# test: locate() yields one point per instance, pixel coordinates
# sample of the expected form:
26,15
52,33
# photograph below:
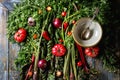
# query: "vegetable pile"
43,30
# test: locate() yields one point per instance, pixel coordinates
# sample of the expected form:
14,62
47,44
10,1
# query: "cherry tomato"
48,8
29,73
20,35
60,40
65,25
73,22
79,63
69,33
63,13
92,51
39,11
35,36
58,50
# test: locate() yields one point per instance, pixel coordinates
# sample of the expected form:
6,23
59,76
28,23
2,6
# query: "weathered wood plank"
13,49
3,44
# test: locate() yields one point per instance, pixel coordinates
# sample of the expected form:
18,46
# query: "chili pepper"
33,59
29,70
29,73
82,58
65,25
45,35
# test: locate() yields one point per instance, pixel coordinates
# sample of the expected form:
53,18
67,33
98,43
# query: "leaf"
51,77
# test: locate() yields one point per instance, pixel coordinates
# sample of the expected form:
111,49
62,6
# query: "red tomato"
60,40
20,35
58,50
63,13
35,36
79,63
73,22
92,51
65,25
69,33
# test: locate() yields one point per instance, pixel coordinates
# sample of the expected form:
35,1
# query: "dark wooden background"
8,51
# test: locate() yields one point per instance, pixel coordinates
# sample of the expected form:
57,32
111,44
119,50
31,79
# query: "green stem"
63,34
77,12
38,53
75,6
66,65
73,61
33,45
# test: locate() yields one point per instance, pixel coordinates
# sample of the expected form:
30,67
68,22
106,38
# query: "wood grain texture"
3,44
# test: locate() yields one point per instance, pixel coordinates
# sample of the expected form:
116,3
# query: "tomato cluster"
92,51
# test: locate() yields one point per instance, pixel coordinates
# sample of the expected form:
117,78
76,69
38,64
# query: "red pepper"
45,35
33,59
82,58
30,68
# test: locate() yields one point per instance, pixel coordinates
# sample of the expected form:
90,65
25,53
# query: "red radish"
57,22
42,64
